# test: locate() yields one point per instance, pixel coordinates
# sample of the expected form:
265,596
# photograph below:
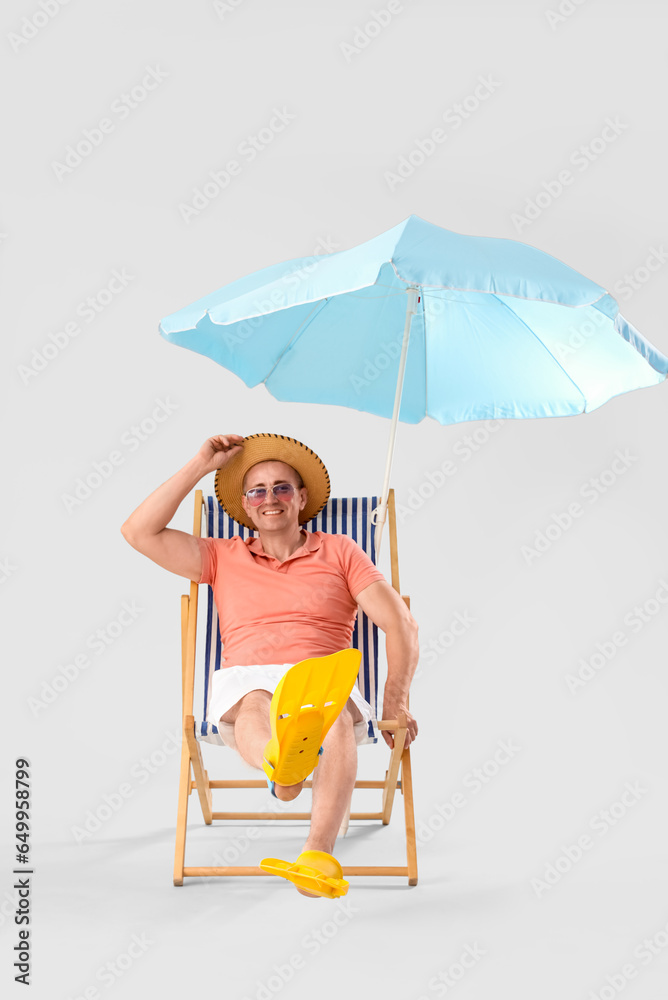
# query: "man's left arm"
387,609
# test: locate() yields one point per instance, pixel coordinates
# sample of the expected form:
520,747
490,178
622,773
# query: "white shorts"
229,684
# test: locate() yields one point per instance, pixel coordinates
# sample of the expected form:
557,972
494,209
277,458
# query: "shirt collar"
312,544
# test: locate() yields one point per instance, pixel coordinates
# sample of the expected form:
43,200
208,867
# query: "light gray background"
69,573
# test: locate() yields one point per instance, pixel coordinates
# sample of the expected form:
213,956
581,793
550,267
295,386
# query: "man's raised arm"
146,528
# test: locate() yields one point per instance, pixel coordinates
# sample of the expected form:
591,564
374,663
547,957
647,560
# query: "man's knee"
252,702
346,717
354,711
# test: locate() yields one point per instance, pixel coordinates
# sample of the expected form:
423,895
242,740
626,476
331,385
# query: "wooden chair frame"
397,776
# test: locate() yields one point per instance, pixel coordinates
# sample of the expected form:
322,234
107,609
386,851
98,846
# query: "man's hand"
391,708
146,528
218,450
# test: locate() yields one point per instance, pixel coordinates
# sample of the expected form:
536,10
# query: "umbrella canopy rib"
535,335
295,336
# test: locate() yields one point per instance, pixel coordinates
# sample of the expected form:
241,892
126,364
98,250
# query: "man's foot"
330,870
288,792
313,868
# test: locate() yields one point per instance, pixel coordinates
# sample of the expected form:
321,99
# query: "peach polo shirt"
284,612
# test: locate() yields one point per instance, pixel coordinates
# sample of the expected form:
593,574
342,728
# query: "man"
282,597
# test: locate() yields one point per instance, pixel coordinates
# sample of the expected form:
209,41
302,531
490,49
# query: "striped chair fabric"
349,516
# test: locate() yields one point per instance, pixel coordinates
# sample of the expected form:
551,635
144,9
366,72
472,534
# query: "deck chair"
350,516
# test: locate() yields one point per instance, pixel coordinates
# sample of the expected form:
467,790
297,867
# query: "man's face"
273,514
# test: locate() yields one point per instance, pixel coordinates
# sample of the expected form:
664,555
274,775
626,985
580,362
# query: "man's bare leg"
252,732
333,783
333,779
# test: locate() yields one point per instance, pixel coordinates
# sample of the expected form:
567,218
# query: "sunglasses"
282,491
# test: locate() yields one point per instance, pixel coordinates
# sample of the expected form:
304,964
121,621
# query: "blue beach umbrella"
421,321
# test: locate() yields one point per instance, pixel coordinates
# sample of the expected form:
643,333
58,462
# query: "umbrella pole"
379,514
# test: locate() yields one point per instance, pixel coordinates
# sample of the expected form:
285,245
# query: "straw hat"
272,448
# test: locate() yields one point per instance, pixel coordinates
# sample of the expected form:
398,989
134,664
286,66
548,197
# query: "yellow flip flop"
315,871
308,699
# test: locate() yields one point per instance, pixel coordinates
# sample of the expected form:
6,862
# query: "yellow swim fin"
315,871
305,704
